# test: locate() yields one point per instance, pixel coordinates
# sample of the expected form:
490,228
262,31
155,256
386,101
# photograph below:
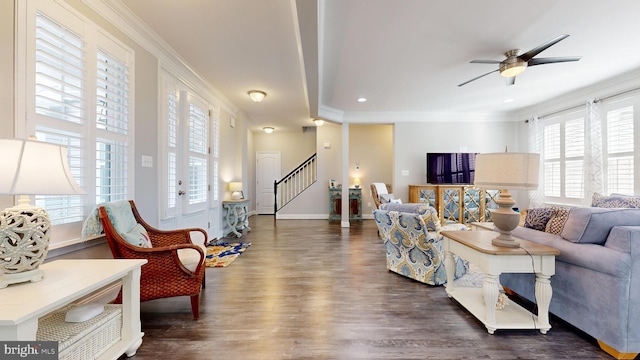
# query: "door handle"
181,192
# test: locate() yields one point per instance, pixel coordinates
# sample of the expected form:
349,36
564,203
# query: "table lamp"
236,190
502,171
29,167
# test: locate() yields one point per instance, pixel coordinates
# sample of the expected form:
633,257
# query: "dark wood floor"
308,289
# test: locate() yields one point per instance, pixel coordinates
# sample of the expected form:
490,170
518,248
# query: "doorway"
267,172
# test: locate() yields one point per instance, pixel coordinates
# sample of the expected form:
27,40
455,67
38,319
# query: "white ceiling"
405,56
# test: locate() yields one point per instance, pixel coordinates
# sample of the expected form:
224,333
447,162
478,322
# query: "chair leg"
195,306
204,278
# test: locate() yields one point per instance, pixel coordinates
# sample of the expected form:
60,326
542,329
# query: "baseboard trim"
280,216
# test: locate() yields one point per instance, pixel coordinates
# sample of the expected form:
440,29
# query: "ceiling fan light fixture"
515,69
257,95
512,66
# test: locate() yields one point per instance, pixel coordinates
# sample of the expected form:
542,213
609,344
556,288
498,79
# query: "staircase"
294,183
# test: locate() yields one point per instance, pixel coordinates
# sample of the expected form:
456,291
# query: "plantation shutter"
112,126
60,107
620,150
574,158
198,152
552,160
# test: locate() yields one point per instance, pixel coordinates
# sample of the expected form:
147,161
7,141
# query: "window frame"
27,121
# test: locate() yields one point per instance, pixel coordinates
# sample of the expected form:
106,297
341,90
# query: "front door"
185,163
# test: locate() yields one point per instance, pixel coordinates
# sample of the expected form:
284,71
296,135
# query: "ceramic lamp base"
24,243
505,220
31,275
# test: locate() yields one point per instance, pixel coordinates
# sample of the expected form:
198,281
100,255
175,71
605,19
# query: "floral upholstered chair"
414,246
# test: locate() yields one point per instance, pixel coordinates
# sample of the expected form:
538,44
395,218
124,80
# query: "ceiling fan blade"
485,61
511,80
542,61
478,77
535,51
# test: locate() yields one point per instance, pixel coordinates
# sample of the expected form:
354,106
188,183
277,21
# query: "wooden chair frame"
163,275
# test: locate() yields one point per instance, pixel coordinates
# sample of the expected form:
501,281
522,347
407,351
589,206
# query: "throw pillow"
615,201
557,221
537,218
385,198
396,201
138,236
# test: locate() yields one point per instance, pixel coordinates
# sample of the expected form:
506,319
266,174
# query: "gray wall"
6,79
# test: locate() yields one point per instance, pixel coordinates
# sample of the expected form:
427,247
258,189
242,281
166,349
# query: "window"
563,163
598,154
619,148
78,93
198,152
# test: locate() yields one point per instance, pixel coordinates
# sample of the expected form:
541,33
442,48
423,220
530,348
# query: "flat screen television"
451,168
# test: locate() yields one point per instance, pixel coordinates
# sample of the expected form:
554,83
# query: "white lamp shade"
35,168
507,171
235,186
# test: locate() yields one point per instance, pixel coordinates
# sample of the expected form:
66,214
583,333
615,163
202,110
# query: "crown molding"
115,12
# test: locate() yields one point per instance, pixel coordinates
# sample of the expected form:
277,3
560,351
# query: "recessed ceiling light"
507,100
362,99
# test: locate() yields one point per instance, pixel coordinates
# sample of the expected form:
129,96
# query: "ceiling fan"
515,64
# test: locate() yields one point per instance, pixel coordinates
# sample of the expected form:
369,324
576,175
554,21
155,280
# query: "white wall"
412,140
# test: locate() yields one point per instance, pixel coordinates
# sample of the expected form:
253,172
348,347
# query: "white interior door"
267,172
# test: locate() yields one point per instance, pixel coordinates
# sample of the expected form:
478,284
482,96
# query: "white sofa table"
66,281
476,247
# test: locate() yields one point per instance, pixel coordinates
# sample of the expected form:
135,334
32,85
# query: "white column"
345,175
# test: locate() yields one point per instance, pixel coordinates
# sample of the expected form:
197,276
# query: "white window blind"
552,160
574,158
215,179
172,135
620,150
112,94
564,150
59,71
198,144
60,104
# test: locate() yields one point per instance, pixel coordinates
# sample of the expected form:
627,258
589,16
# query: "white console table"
236,214
530,257
66,281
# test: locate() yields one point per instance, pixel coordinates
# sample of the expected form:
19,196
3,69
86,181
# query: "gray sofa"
596,287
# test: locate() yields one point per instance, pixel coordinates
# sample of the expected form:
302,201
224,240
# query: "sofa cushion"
190,258
537,218
592,224
556,222
615,201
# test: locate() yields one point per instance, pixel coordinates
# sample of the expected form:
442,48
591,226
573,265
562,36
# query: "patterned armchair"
411,234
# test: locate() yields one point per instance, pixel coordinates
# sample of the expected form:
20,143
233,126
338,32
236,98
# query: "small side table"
530,257
237,216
